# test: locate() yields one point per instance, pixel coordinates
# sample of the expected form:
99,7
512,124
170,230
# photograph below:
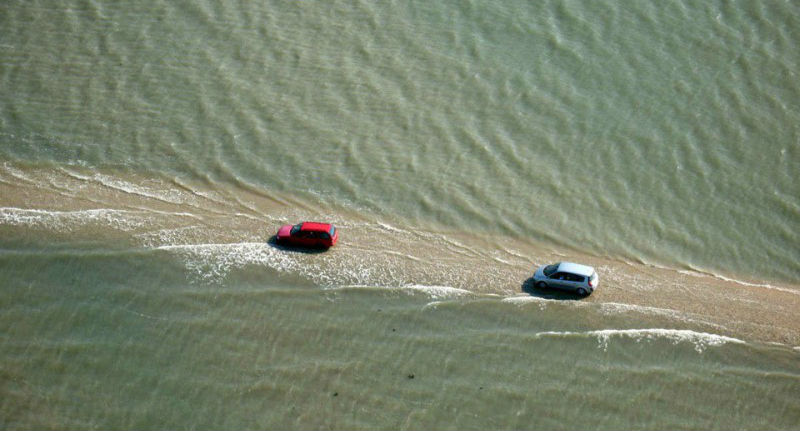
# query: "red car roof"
316,227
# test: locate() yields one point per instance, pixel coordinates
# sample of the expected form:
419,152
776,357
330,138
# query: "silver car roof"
576,268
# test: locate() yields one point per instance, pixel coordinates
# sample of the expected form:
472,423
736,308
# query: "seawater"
149,152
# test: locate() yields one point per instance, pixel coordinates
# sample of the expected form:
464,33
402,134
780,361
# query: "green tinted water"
149,151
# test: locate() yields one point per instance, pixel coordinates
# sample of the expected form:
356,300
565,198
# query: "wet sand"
233,226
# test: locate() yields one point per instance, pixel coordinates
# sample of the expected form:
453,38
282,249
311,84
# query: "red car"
308,234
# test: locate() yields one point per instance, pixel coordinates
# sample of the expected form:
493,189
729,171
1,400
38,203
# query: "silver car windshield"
550,269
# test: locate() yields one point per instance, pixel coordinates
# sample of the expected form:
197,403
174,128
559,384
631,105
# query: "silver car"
574,277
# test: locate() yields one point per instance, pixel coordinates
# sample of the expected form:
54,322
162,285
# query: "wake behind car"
308,234
573,277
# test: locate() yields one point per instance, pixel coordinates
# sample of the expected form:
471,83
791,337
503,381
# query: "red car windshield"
295,229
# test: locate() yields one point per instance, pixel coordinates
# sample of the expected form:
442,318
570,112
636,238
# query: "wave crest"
701,340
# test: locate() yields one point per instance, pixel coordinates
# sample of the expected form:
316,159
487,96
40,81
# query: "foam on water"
701,340
389,227
612,307
211,263
150,189
16,173
184,235
523,300
438,292
123,220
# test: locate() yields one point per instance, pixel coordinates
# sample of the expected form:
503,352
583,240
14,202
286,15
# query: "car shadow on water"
529,287
273,242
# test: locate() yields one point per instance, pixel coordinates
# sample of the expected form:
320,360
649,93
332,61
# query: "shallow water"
149,153
113,344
